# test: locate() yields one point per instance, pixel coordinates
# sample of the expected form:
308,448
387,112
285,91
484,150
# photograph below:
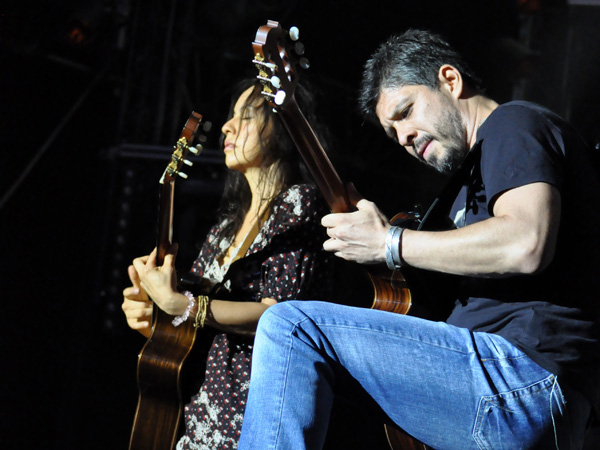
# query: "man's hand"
357,236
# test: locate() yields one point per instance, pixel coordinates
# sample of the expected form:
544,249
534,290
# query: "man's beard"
451,134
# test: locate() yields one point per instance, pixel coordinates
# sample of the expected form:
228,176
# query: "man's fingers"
333,245
364,204
353,195
329,220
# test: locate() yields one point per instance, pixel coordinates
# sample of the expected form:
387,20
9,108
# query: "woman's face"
243,134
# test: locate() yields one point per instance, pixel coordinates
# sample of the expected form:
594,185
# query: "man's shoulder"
517,110
519,119
525,113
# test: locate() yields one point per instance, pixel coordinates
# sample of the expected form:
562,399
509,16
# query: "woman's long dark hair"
277,149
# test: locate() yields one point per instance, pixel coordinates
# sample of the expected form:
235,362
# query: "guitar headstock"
182,148
277,55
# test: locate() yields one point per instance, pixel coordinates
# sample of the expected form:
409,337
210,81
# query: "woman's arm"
236,317
158,283
284,274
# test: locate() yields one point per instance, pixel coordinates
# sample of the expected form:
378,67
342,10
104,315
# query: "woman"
284,260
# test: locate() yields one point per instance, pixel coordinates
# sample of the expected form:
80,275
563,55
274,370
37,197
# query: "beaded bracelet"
180,319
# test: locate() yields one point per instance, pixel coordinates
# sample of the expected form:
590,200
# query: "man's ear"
450,80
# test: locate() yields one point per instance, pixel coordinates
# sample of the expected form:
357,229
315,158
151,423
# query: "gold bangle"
201,312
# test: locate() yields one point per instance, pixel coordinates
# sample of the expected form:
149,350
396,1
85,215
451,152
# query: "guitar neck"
315,157
165,220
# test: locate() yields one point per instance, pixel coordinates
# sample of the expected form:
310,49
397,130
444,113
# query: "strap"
440,207
249,239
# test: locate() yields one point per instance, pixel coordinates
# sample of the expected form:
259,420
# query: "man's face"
426,123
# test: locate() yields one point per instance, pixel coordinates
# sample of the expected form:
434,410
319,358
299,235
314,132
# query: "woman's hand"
160,283
136,305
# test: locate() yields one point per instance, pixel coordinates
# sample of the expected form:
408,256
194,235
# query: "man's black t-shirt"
554,316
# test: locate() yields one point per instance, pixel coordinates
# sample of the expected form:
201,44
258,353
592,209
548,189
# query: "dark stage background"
95,92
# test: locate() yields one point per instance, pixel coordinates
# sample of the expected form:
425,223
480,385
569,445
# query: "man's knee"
274,315
276,322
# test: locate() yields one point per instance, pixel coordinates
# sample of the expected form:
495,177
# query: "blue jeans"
446,386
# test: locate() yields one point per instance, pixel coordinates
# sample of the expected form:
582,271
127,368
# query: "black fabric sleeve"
529,152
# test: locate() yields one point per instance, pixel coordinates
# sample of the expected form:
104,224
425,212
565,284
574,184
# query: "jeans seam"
396,335
478,424
286,377
552,394
516,392
508,358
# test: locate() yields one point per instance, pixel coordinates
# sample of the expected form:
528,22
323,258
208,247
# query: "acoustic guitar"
274,51
160,405
277,54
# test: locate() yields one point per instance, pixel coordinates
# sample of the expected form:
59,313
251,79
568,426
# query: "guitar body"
277,72
158,416
399,440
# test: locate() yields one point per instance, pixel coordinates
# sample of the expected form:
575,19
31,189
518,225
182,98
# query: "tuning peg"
196,150
299,48
182,175
187,162
276,82
304,63
207,126
279,98
294,33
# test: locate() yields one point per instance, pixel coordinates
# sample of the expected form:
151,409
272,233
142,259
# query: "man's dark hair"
411,58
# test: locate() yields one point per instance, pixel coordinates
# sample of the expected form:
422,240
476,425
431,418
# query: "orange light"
529,6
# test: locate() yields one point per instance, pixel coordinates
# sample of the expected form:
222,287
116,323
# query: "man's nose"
406,135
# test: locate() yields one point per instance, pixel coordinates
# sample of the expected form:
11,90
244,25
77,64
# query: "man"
517,362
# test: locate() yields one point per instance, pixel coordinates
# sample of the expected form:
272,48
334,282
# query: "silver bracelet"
397,248
393,243
182,318
389,261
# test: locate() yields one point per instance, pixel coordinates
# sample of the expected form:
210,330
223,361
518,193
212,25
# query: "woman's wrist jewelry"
393,248
202,312
192,301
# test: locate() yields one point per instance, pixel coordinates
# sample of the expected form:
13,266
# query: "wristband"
393,245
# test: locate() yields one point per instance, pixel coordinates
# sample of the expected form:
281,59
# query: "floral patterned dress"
285,261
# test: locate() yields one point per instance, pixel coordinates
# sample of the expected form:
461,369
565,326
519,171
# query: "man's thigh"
445,385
